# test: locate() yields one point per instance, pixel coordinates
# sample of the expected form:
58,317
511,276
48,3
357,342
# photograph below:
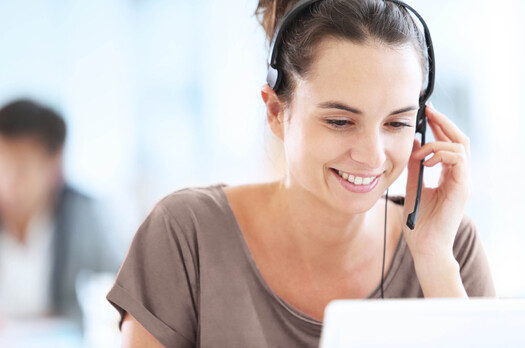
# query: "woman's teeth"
356,180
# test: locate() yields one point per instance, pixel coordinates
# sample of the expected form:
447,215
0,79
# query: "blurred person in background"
49,232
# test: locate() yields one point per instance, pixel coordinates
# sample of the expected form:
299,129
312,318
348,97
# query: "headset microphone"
412,217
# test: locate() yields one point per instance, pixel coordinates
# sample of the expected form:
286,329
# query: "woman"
255,265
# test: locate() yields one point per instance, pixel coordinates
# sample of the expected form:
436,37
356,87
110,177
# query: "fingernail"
430,105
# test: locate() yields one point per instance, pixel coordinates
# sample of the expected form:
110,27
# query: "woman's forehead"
342,67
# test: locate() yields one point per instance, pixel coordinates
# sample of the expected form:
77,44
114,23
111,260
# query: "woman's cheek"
408,144
400,149
302,151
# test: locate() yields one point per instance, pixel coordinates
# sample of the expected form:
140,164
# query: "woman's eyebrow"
344,107
403,110
340,106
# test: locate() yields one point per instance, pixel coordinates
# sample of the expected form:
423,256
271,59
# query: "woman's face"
353,115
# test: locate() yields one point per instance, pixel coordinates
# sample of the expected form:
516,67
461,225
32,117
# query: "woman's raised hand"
441,208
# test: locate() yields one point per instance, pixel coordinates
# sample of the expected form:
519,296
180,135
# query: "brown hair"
355,20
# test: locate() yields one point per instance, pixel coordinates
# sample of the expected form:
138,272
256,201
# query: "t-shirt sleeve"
474,267
157,281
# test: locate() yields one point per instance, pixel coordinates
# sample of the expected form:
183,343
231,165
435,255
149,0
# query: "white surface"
424,323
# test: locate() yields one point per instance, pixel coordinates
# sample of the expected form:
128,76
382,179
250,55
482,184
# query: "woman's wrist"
439,276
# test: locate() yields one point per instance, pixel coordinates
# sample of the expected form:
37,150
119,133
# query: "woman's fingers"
455,168
437,146
448,154
439,135
448,128
447,158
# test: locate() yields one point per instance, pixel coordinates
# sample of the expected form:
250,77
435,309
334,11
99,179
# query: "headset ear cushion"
421,119
273,78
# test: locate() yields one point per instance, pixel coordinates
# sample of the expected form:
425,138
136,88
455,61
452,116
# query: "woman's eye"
399,124
339,123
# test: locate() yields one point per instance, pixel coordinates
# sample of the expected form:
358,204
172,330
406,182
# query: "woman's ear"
274,111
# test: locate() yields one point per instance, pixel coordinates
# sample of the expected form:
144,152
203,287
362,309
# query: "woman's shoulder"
193,200
188,210
206,206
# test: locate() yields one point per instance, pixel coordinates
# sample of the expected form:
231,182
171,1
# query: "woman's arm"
135,335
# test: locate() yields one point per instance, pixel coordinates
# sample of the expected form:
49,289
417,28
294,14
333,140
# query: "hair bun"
270,12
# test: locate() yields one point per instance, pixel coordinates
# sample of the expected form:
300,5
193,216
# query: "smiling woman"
256,265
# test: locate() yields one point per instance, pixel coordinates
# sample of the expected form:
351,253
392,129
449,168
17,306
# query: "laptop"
428,323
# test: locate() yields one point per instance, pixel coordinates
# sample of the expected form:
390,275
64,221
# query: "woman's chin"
356,206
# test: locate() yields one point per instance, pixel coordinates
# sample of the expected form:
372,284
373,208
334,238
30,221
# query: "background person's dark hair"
359,21
26,118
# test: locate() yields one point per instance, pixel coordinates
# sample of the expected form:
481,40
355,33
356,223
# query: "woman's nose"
369,150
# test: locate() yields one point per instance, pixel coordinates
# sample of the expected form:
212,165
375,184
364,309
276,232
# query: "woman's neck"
318,232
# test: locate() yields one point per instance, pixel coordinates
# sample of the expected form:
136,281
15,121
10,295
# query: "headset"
274,79
275,75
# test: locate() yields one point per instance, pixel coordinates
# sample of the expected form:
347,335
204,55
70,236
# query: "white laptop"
428,323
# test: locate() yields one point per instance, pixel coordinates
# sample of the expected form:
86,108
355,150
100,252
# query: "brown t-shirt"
190,280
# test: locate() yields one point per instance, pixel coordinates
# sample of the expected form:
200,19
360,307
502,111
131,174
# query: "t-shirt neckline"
389,276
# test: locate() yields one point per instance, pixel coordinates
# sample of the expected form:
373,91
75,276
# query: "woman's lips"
354,183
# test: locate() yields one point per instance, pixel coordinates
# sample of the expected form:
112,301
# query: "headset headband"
274,77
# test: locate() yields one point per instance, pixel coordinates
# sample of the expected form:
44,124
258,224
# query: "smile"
356,180
356,183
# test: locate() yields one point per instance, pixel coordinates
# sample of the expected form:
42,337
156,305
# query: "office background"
163,94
